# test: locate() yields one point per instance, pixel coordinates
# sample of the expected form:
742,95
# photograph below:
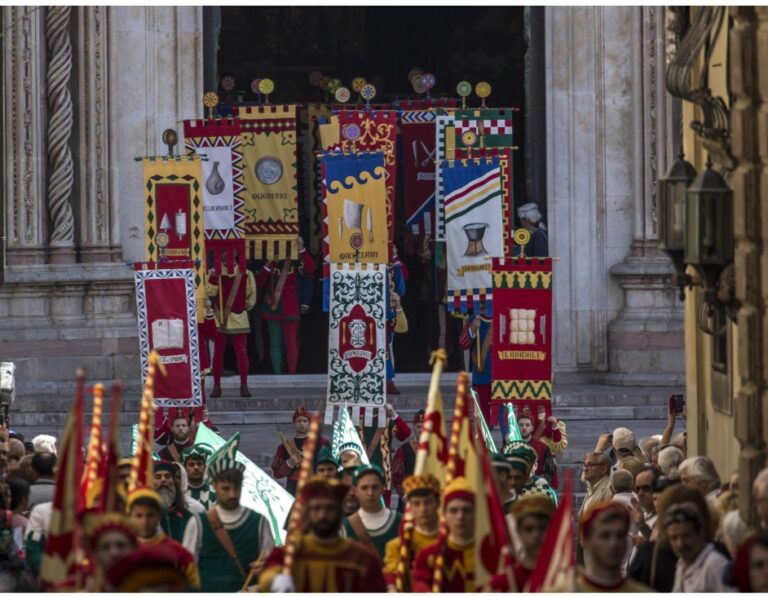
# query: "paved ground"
588,410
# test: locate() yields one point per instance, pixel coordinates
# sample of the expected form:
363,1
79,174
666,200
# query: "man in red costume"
324,561
287,460
232,295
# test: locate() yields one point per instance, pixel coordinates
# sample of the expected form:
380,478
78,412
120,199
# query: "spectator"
15,453
644,511
633,464
623,485
15,575
44,444
760,492
596,475
733,531
700,567
19,506
700,473
646,446
43,489
750,570
670,457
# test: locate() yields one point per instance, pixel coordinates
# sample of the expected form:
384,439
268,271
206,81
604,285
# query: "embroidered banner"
417,135
507,200
357,341
474,234
165,308
373,130
522,327
268,135
315,114
354,208
223,190
173,209
444,149
483,128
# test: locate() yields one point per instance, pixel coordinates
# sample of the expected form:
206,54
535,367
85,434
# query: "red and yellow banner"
522,328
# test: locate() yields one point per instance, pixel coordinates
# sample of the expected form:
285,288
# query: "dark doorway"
382,44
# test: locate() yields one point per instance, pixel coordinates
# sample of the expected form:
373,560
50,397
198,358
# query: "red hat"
301,411
179,414
149,566
95,524
588,518
319,487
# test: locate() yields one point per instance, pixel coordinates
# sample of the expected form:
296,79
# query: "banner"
173,209
357,341
165,307
474,234
483,128
444,149
260,491
268,136
417,135
315,113
354,208
373,131
522,327
507,201
223,190
345,433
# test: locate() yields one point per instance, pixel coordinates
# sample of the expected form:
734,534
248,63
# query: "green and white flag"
260,491
513,430
484,430
345,436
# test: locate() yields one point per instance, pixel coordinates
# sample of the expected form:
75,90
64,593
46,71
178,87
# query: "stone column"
646,340
748,58
24,133
60,124
589,182
96,240
155,81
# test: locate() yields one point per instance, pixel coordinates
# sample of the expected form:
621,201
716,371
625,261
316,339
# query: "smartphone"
676,403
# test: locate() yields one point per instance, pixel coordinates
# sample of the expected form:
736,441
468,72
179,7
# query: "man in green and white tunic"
373,524
194,459
522,481
228,538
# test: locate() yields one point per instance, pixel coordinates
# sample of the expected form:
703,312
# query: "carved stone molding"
23,153
60,123
96,240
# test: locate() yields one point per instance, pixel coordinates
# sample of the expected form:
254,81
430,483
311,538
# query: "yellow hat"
142,493
421,482
458,488
533,504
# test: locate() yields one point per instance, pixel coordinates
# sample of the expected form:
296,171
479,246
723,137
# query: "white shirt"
705,574
374,521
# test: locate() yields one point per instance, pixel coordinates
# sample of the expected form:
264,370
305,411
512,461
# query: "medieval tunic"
457,569
419,541
282,469
203,494
243,299
174,523
287,308
342,566
386,528
172,451
250,535
184,558
403,466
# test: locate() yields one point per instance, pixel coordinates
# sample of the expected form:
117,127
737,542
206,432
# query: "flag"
62,545
482,426
111,453
513,429
461,445
491,538
556,567
142,470
432,455
345,436
260,491
90,485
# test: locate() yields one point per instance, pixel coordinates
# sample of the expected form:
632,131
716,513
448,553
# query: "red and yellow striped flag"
91,485
110,455
142,470
62,545
432,455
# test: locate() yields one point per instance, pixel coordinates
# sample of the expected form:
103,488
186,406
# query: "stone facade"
608,124
67,295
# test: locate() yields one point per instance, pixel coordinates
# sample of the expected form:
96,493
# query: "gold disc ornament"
522,236
483,90
342,95
266,86
210,101
358,83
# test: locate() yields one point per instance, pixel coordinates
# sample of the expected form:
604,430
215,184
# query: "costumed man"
327,466
532,514
228,538
350,456
176,511
323,562
124,465
287,460
108,537
477,337
378,440
194,464
522,480
551,431
449,564
280,283
396,321
423,495
373,524
502,470
545,465
404,462
603,536
180,439
530,219
151,568
144,508
233,295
